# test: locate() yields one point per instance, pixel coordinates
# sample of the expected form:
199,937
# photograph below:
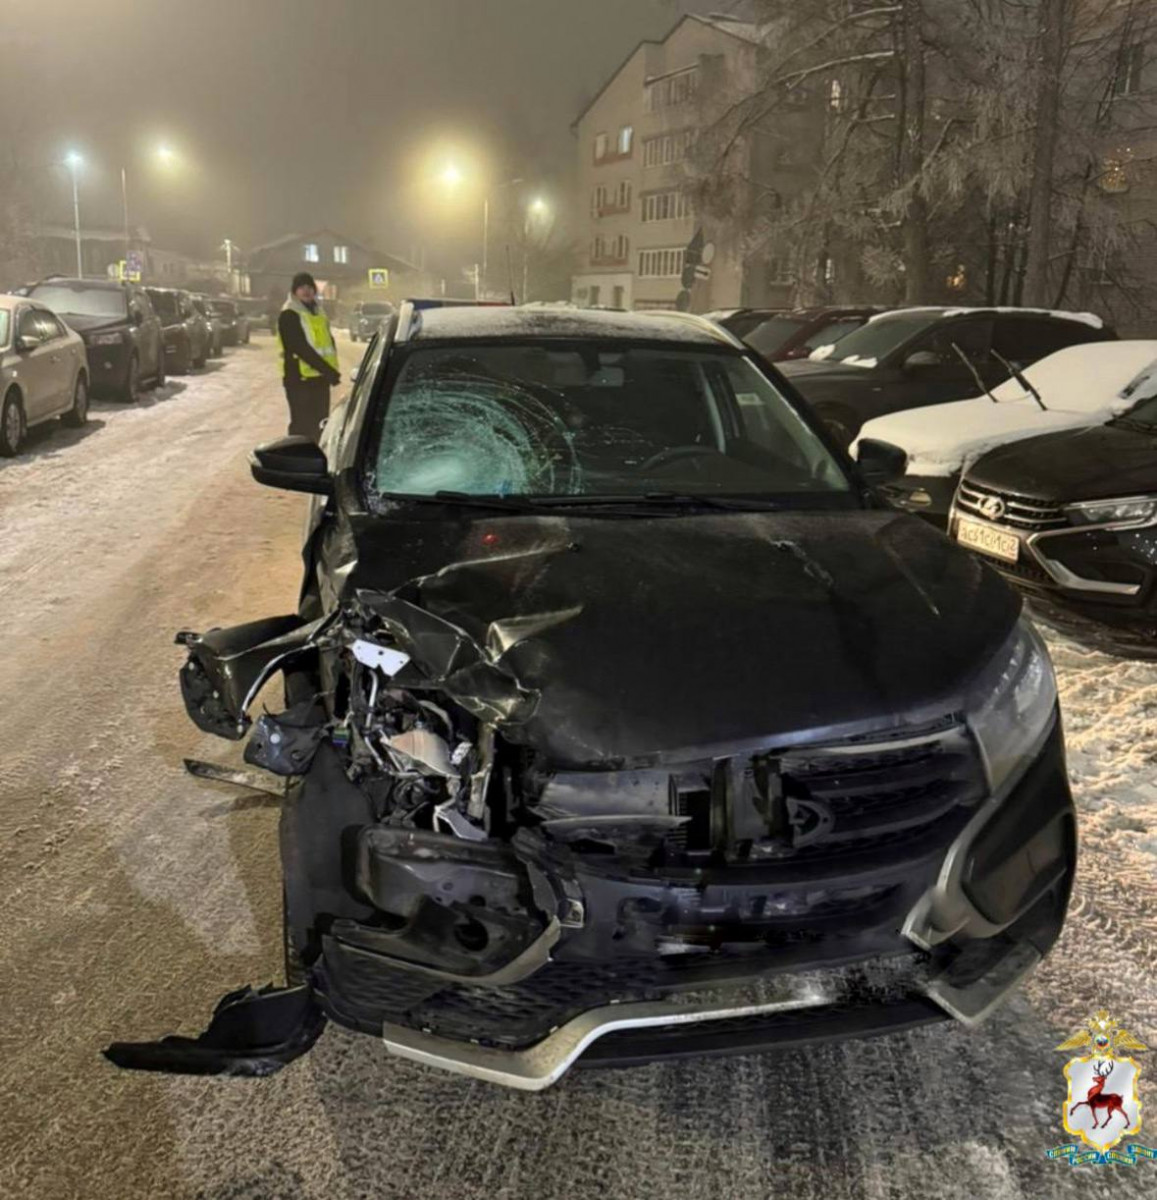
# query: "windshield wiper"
1018,375
465,499
1128,422
661,499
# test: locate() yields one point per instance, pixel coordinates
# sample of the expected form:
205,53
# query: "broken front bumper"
511,963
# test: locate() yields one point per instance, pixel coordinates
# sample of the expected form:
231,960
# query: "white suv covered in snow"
1073,388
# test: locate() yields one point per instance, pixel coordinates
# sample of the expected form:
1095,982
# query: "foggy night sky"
292,114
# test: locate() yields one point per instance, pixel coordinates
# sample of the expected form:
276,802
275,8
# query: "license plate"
993,542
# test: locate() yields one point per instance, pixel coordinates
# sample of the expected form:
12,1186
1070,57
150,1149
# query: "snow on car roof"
501,322
1080,386
1085,318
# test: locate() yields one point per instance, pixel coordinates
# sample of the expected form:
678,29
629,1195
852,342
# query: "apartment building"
642,245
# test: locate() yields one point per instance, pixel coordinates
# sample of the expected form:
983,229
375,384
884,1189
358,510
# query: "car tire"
199,362
131,388
843,423
159,377
13,425
183,361
77,415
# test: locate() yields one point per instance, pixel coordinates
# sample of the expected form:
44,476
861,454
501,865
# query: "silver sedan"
43,371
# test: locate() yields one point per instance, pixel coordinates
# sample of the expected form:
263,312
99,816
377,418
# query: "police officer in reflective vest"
308,357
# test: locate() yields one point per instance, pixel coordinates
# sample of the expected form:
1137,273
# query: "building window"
605,202
593,296
672,90
626,139
1130,64
671,205
661,264
778,272
667,148
599,200
607,251
836,96
617,296
309,252
600,146
341,254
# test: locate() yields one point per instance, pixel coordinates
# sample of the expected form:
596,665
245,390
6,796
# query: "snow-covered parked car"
913,357
622,721
1073,388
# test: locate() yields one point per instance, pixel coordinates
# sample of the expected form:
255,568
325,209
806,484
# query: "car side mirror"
880,461
296,464
28,341
921,358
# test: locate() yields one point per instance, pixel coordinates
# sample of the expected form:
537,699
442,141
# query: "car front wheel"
78,413
12,427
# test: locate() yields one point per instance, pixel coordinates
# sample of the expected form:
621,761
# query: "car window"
1024,340
974,338
592,420
832,332
877,339
769,337
80,300
346,436
50,327
29,324
165,304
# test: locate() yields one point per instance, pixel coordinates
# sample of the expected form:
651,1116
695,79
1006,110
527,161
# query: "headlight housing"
1129,510
105,339
1011,704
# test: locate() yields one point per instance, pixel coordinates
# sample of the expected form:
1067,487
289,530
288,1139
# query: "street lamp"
166,157
536,210
74,162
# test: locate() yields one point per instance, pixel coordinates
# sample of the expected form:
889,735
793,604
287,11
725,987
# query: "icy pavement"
131,897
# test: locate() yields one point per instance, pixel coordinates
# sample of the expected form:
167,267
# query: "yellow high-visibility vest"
319,336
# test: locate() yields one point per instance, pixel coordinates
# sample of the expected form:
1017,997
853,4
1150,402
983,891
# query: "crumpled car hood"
652,639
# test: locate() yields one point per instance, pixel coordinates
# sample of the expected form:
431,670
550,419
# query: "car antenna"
1020,377
974,373
510,273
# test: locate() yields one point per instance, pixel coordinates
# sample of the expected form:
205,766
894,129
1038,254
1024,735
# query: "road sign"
379,277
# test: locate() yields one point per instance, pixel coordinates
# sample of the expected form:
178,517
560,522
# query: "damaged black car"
622,721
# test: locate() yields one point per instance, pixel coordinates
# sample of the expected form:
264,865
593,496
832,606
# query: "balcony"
610,260
611,209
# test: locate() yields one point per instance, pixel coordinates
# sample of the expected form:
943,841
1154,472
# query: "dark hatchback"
795,335
233,320
623,721
913,357
187,333
123,336
1070,518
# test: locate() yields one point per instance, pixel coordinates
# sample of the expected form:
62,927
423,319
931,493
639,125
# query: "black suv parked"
122,334
786,337
1071,519
916,356
187,333
624,721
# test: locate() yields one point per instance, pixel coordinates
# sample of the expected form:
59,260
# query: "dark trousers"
308,406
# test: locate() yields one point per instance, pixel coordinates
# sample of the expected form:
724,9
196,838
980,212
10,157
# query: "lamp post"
74,162
536,210
452,176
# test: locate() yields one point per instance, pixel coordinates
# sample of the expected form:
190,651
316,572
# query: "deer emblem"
1099,1101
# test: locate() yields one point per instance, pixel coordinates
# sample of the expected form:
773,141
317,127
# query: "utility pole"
73,163
1050,63
125,204
480,283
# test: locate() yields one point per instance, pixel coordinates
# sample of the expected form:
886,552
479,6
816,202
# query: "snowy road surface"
132,897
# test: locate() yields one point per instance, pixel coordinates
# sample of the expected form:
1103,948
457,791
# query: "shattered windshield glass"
592,420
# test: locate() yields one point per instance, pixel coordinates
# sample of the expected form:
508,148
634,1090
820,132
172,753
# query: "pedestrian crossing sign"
379,277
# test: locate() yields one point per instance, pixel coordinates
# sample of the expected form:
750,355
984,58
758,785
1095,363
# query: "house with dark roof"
340,264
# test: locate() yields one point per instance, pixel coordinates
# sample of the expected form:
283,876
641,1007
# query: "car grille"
1024,513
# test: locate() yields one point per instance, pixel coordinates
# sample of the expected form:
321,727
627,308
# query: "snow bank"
1080,386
